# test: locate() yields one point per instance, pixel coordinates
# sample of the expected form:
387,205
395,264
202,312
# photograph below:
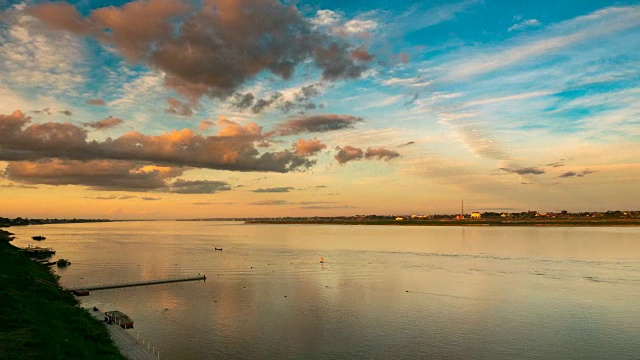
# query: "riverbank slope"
39,320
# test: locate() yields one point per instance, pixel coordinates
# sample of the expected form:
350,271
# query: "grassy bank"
40,321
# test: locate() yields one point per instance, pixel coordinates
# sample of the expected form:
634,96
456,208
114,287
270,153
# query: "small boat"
81,292
63,263
39,237
218,249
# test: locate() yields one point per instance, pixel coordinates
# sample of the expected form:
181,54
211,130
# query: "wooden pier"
84,290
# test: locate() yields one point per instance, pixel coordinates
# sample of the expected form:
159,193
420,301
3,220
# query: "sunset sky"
232,108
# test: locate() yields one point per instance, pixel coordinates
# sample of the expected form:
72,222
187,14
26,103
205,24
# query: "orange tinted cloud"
308,147
233,149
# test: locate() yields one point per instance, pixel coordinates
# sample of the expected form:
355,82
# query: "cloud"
149,198
410,82
205,124
407,144
233,129
524,171
358,26
348,153
524,24
213,203
197,187
233,148
31,56
104,124
112,197
316,123
19,186
326,18
556,164
274,190
66,112
177,107
241,101
525,48
327,207
570,174
308,147
477,138
211,48
269,202
96,174
381,154
96,102
263,104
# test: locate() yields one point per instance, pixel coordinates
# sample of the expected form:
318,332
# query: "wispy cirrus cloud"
524,49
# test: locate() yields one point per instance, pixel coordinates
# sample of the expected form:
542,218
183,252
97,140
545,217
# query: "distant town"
610,217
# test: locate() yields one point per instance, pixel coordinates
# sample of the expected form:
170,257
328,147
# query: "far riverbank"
465,222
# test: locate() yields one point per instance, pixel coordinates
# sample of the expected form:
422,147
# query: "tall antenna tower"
462,209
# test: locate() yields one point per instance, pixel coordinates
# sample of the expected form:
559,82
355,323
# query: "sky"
165,109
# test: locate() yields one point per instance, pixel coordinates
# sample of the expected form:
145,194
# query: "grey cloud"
213,47
19,186
179,108
269,202
149,198
66,112
407,144
316,123
212,203
263,104
569,174
197,187
556,164
242,101
524,171
274,190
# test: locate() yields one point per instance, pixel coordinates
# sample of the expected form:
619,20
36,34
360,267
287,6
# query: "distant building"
399,218
475,215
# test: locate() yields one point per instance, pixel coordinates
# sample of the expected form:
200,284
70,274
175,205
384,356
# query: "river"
382,292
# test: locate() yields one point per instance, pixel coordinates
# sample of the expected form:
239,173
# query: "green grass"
40,321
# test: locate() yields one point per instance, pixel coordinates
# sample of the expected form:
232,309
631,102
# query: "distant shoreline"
546,222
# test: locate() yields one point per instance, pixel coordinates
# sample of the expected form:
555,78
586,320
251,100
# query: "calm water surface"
383,292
